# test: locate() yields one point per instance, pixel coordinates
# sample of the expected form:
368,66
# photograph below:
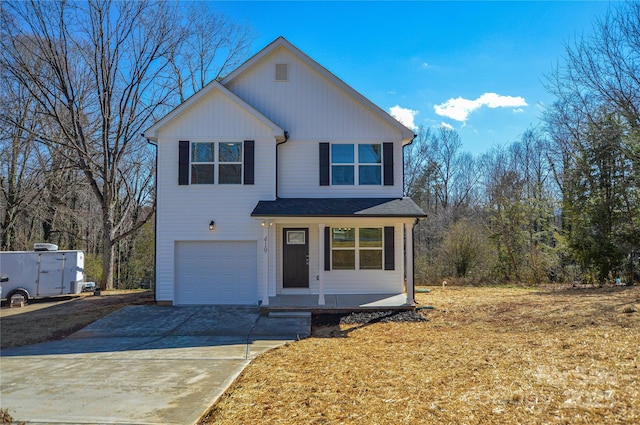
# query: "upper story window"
202,163
351,167
216,162
230,163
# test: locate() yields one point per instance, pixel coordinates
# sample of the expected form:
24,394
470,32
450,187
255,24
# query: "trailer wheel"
15,292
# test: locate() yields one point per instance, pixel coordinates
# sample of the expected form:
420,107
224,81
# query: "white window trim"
356,164
357,248
241,163
216,163
192,163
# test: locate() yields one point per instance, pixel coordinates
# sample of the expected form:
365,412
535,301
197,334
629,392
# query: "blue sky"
477,67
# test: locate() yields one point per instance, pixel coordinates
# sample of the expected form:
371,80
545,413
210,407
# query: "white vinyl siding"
345,281
309,105
299,169
184,212
216,273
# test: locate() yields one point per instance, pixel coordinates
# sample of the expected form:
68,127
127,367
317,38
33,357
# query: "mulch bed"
365,317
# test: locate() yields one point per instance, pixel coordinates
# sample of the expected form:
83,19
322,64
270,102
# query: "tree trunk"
107,255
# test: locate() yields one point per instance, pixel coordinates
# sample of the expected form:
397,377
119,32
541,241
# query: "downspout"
286,137
413,254
155,222
410,142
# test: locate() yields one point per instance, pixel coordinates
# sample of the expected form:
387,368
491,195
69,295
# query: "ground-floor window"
356,248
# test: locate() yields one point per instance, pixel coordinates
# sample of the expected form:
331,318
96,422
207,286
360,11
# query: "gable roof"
152,132
407,134
338,207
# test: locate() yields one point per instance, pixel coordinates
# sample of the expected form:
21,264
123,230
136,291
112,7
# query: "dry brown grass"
486,356
55,318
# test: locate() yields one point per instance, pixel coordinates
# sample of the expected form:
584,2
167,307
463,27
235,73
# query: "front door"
295,258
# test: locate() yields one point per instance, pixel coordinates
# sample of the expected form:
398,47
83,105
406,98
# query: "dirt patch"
485,355
54,318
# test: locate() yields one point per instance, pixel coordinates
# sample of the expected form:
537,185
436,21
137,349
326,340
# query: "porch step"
285,314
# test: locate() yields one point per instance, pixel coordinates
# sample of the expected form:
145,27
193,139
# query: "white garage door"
216,273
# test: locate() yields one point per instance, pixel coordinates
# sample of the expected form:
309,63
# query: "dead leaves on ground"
486,355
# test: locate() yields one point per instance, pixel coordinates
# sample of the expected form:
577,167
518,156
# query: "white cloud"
446,125
404,115
459,109
518,111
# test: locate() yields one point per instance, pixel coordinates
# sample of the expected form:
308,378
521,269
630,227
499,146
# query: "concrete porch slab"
338,302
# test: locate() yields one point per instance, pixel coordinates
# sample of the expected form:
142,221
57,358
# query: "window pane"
202,174
230,174
230,152
202,152
343,237
342,174
343,259
370,238
342,154
371,259
370,174
370,154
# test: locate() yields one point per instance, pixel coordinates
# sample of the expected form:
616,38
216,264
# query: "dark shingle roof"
338,207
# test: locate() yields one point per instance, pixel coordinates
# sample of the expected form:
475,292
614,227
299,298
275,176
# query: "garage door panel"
216,272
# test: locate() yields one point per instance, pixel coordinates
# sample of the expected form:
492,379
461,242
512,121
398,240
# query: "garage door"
216,273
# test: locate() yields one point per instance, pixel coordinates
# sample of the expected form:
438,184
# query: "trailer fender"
18,291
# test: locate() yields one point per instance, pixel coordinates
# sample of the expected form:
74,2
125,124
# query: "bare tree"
213,46
104,71
598,89
19,171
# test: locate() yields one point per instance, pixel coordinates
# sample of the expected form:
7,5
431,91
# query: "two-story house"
280,184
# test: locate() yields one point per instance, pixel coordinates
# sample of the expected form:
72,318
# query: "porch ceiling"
338,207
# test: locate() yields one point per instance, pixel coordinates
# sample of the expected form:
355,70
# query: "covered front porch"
335,303
336,254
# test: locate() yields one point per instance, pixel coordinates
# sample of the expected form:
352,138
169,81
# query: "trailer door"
51,273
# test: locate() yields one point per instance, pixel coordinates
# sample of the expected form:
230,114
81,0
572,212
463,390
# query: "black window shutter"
387,153
327,248
183,162
389,248
324,164
249,161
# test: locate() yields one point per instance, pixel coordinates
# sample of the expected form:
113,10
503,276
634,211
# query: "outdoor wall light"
211,225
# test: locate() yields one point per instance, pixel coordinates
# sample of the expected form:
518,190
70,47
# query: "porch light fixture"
211,225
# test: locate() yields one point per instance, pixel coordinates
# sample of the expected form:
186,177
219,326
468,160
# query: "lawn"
485,356
56,317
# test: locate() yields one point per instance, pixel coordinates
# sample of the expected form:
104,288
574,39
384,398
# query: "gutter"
286,137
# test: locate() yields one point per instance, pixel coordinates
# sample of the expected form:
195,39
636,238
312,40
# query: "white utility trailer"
44,272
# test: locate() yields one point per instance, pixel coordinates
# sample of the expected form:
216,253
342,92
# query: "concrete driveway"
140,365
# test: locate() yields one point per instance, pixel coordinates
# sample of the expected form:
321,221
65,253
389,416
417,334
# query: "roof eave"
152,132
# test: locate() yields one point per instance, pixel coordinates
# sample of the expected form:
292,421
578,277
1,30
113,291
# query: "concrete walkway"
140,365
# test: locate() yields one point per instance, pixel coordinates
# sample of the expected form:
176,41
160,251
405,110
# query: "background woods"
80,81
562,203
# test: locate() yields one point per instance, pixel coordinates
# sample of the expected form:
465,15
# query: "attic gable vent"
282,72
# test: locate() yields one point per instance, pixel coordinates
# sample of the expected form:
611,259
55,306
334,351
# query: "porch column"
265,262
321,264
408,252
